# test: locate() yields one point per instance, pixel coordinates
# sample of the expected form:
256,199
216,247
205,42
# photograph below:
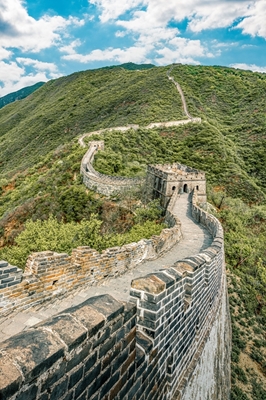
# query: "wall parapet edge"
107,349
49,274
177,307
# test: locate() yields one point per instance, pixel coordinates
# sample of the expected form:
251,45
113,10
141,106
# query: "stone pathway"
195,239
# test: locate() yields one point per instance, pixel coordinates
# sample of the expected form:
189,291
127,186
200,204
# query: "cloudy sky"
45,39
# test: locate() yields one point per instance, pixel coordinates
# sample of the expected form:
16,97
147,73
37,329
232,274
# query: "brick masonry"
48,274
153,347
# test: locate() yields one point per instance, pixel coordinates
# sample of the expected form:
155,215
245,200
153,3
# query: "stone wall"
49,274
101,183
183,311
87,352
172,341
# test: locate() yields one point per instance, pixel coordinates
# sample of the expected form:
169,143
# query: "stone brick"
28,394
114,377
34,351
90,362
3,264
67,328
10,378
88,316
75,376
59,390
106,346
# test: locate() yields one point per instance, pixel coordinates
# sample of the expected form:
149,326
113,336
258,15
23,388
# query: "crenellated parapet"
172,341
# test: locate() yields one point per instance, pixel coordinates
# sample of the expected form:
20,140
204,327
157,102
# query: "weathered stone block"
150,283
67,328
10,378
3,264
34,351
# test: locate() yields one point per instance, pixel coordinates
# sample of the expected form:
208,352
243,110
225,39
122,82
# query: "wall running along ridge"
109,185
101,183
171,342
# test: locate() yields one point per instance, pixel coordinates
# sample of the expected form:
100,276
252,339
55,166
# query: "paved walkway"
195,238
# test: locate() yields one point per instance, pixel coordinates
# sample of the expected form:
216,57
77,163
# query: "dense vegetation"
40,169
19,94
66,107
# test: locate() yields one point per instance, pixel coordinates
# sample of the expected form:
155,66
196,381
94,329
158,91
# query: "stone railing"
178,308
173,342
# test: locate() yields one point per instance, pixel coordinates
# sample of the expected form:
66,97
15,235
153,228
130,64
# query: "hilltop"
40,161
19,94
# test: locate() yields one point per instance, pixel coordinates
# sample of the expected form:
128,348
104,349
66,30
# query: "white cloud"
201,14
39,65
148,23
19,30
134,54
254,24
112,9
70,48
183,51
25,72
250,67
14,77
120,34
4,53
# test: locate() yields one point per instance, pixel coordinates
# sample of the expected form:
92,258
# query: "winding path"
195,239
153,124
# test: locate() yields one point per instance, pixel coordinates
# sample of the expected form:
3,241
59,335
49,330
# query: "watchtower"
164,180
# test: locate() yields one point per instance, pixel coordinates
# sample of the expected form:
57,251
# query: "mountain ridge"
19,94
41,159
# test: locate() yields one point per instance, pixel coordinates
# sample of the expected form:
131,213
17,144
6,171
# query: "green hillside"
40,161
19,94
64,108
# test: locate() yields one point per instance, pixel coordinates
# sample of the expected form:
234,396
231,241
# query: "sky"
45,39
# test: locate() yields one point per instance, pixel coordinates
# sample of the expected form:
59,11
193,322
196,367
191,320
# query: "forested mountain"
40,161
19,94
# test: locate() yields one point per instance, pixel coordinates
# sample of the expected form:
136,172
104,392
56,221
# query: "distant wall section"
101,183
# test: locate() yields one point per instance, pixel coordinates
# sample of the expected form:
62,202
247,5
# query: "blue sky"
45,39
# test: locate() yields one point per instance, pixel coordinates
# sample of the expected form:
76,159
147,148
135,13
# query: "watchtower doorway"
185,188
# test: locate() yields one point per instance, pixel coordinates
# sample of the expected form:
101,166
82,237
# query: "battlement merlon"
164,180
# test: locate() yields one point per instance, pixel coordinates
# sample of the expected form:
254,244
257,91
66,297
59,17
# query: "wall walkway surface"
93,326
156,349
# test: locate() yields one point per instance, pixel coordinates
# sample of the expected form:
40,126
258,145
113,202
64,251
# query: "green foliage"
19,94
40,172
62,237
238,394
239,373
82,102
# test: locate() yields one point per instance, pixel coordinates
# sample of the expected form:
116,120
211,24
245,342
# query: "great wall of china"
148,320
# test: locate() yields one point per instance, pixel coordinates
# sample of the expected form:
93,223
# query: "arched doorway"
185,189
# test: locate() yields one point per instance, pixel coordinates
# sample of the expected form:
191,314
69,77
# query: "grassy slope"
229,145
20,94
66,107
